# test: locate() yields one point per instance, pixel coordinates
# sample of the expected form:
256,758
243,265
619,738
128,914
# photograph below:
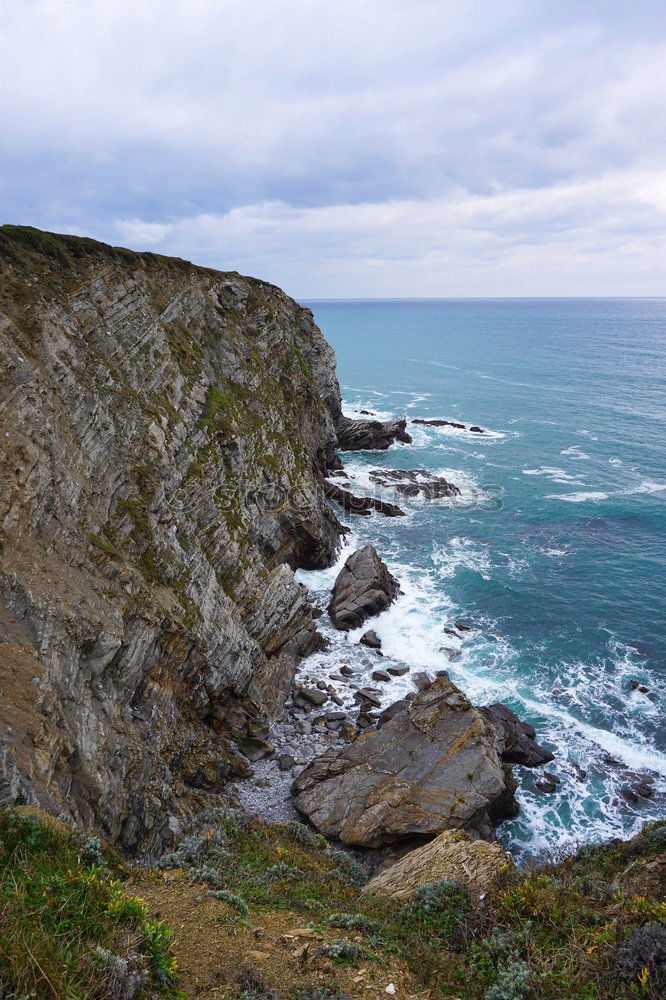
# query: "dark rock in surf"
381,675
364,588
361,506
519,744
398,671
439,423
415,482
371,640
547,783
370,435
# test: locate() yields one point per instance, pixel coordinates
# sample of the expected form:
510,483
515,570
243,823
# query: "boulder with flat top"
434,766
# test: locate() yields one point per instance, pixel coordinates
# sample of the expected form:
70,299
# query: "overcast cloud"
354,148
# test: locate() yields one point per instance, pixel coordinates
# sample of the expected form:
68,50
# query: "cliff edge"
165,430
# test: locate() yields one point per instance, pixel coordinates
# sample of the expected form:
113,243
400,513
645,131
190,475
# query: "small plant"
231,899
341,950
193,853
91,853
349,870
282,871
321,994
254,988
512,983
125,977
352,922
303,835
441,906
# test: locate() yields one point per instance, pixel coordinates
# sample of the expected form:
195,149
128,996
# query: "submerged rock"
434,766
452,855
364,587
415,482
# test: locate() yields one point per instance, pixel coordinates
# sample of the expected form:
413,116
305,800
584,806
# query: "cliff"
165,428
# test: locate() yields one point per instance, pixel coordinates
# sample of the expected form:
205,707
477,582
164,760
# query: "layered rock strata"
165,431
452,855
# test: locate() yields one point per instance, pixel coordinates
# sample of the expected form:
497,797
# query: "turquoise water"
555,550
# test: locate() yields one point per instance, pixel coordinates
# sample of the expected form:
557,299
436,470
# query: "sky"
355,148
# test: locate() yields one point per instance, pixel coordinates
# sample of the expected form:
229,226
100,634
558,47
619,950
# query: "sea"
554,552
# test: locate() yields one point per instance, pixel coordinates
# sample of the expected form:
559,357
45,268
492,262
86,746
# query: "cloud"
229,124
572,239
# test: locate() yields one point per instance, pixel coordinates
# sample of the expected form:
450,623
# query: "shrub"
348,870
341,950
352,922
512,983
303,835
231,899
441,905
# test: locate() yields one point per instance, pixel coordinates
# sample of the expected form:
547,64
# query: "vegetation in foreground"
67,927
288,922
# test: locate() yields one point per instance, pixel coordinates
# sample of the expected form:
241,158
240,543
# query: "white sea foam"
353,409
578,497
358,473
466,434
419,398
615,461
647,486
575,451
554,474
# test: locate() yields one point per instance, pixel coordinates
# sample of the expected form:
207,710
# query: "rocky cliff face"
164,432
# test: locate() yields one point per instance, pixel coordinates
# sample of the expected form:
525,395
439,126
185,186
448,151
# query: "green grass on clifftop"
240,891
67,930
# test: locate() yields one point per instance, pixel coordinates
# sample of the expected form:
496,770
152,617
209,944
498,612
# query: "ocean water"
555,552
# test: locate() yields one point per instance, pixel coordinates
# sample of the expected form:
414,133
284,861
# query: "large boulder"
520,746
363,435
453,855
434,766
364,587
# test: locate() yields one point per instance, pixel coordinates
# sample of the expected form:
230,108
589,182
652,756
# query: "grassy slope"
68,930
252,904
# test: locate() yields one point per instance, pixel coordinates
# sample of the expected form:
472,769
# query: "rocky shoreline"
375,778
170,459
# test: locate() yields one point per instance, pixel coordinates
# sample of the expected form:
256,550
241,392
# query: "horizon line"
478,298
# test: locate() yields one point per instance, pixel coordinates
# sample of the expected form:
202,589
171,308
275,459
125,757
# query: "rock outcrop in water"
415,482
362,506
364,588
166,429
434,766
370,435
519,738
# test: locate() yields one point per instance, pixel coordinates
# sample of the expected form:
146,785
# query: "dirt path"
215,954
